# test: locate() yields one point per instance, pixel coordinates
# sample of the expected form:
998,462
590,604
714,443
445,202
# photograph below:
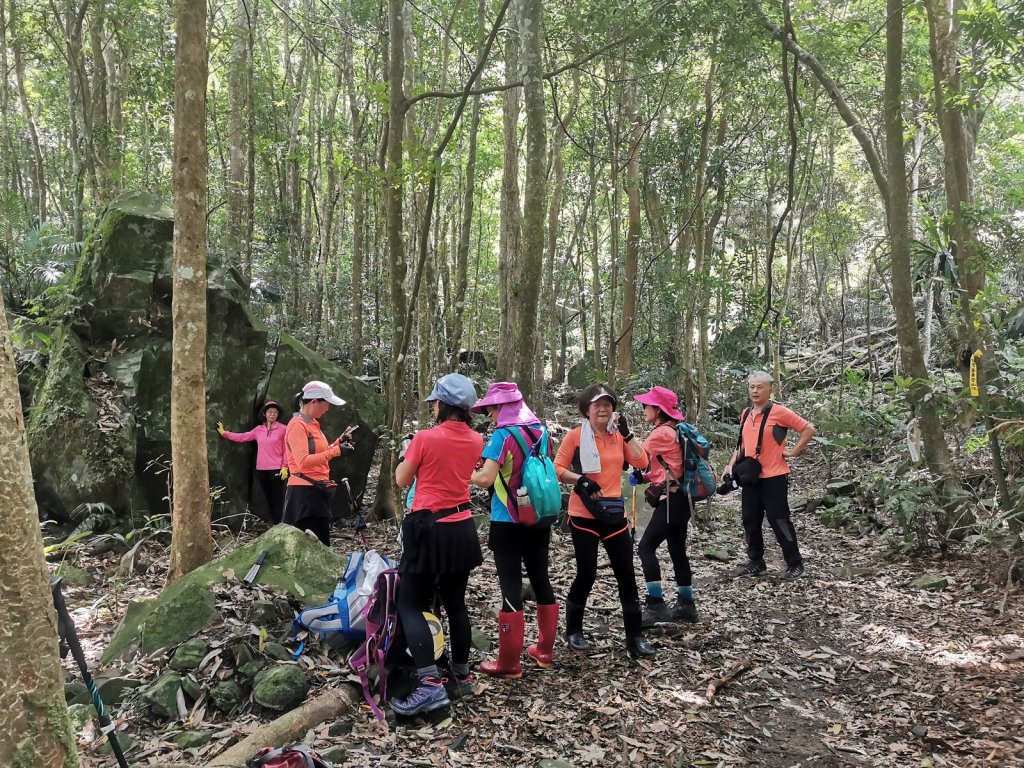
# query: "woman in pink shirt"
671,514
271,468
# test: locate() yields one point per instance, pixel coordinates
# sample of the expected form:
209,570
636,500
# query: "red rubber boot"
509,663
547,628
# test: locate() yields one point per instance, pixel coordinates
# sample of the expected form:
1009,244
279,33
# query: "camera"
727,486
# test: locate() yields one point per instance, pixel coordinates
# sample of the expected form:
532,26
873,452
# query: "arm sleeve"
495,448
298,447
241,437
790,419
414,453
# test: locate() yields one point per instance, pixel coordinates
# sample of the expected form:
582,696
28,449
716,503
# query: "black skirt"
431,546
305,501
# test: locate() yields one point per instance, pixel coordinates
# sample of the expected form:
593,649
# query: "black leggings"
586,535
273,491
769,498
516,547
667,525
416,594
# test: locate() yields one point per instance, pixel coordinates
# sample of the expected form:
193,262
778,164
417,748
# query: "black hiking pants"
273,491
769,498
669,523
416,594
517,547
587,535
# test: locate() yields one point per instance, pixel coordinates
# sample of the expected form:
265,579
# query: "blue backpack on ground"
699,480
540,480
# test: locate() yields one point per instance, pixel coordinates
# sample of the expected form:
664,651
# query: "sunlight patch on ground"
995,652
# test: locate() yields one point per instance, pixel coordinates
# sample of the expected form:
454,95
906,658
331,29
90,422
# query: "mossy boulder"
294,365
226,695
162,696
192,739
280,688
295,562
189,655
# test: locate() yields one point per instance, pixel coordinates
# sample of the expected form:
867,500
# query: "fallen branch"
291,726
731,674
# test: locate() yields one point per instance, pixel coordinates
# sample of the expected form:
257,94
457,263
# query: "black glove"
623,427
585,487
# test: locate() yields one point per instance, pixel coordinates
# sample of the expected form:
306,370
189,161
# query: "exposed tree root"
291,726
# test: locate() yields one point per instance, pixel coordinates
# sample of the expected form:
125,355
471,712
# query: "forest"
204,205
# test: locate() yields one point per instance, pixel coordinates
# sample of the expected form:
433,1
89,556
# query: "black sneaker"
684,610
577,641
655,613
753,568
793,572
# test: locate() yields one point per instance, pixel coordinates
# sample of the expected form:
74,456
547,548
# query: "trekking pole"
69,642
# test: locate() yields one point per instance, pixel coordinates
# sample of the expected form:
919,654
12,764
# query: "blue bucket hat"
454,389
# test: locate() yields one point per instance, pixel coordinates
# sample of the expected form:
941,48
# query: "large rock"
588,370
295,562
99,427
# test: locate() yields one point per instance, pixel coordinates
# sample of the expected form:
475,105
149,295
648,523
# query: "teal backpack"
539,480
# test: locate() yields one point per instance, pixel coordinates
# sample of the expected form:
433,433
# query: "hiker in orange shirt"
592,456
762,447
310,488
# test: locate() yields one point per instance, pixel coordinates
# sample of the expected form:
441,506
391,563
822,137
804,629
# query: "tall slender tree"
191,540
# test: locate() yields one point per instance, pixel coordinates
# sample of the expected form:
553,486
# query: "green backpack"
539,480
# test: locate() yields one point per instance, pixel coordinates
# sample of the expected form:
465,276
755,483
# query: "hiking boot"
684,610
753,568
793,572
655,613
462,688
428,696
639,647
577,641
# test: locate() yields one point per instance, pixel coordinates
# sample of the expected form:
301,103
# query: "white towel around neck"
590,459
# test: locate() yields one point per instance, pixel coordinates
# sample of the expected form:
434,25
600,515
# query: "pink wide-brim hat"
662,398
498,393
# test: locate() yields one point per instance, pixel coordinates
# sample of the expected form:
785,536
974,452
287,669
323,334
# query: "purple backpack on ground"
381,614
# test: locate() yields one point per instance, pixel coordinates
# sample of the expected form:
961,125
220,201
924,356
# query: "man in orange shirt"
769,495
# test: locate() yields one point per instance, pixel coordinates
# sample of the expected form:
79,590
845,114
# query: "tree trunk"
920,392
624,357
510,230
36,732
39,165
237,134
386,504
191,541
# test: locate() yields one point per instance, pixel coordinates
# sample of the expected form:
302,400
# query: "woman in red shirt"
310,488
271,469
671,514
440,545
592,456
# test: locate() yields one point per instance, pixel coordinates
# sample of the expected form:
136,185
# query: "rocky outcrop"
99,426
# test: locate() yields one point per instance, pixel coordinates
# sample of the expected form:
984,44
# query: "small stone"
841,487
481,641
277,652
931,581
189,655
920,730
721,555
226,695
250,669
74,690
341,728
829,500
263,613
191,688
114,690
162,696
124,741
80,714
74,576
853,571
242,653
280,688
192,739
337,754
